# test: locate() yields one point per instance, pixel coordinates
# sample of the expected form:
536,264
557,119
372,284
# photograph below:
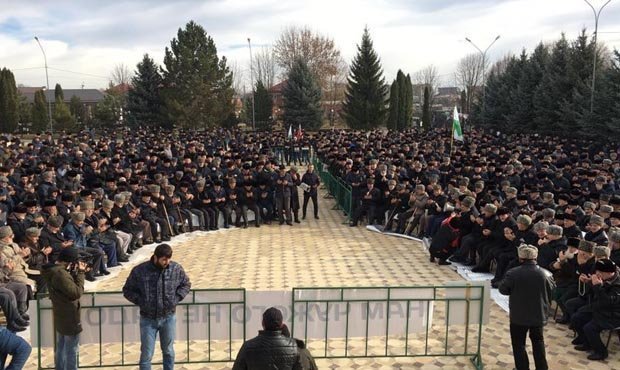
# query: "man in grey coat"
530,288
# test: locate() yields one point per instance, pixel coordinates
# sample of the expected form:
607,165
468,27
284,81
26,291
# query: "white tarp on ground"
464,271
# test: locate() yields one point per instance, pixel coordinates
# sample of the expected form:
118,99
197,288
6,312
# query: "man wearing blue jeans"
17,347
65,282
157,286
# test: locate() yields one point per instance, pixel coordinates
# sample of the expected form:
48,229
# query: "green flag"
457,133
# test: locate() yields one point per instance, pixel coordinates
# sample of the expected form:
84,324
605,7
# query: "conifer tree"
302,98
365,98
143,99
9,102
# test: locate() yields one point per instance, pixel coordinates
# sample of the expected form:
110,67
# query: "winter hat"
597,220
78,216
586,246
601,251
524,220
5,231
528,252
554,230
55,221
69,254
605,265
33,231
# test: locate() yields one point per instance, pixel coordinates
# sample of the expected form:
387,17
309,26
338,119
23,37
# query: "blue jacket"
157,291
72,232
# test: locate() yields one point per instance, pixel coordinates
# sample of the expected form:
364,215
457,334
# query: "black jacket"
606,302
530,289
270,350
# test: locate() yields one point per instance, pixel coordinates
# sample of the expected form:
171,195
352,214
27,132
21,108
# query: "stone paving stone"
329,253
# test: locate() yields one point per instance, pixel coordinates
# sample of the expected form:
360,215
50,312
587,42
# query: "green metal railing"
114,305
464,312
336,188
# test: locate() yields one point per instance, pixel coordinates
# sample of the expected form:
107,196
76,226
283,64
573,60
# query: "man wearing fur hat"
52,237
530,288
596,233
603,313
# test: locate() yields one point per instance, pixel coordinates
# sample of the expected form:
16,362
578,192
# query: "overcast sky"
85,39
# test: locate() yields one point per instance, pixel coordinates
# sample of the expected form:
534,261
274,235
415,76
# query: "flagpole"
452,137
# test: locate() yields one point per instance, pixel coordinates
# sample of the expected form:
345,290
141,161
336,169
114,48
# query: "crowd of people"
473,203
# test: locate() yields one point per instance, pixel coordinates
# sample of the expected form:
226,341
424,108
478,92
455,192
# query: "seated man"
603,312
78,232
16,347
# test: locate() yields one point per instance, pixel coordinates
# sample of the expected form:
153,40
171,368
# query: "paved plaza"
328,253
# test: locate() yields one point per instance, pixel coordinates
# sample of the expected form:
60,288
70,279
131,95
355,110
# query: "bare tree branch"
319,52
265,66
468,75
427,76
121,74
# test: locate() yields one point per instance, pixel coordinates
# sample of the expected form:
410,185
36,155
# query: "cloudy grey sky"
85,39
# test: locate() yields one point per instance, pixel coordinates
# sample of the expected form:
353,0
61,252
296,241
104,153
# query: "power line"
79,73
63,70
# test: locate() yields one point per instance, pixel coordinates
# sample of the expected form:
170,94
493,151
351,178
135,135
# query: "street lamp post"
252,82
49,102
484,69
596,17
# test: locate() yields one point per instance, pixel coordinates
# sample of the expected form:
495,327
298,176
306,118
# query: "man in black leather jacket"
530,288
270,349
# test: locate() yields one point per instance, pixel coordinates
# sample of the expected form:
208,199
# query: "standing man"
284,184
270,349
157,286
312,181
530,288
65,283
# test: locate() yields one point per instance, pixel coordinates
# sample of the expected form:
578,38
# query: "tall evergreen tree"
25,110
394,102
77,109
59,95
554,88
302,98
40,119
263,107
408,101
426,109
521,117
143,99
198,84
365,98
9,102
62,115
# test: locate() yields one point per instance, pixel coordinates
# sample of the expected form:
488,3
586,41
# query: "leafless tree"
238,78
319,51
427,76
499,67
265,66
121,74
468,76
